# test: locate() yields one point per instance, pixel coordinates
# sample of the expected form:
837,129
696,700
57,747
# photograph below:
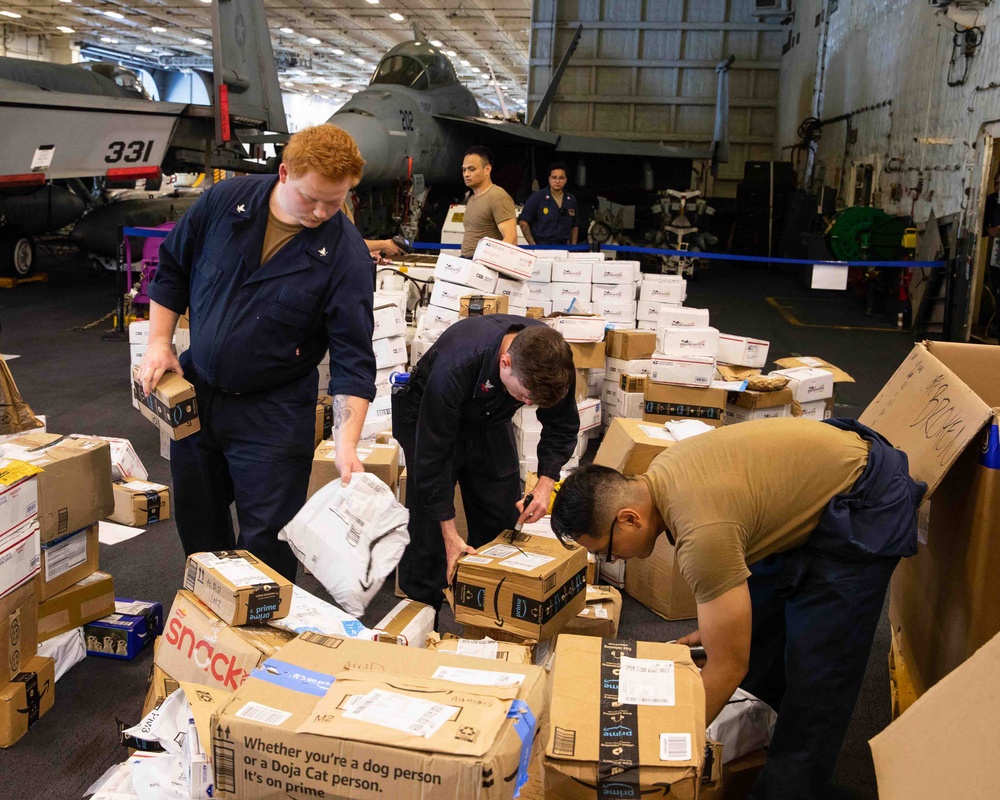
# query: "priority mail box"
239,588
529,585
636,707
615,272
683,371
67,560
613,292
172,406
808,383
579,329
600,616
449,295
18,630
742,351
381,460
389,352
665,402
198,647
686,342
356,719
480,648
616,312
614,368
629,345
74,488
662,289
657,583
590,413
408,624
24,700
139,502
475,305
630,445
19,538
682,317
535,293
125,462
587,355
389,320
464,272
513,289
507,259
573,270
83,602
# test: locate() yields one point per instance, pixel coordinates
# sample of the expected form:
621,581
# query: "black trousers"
489,504
255,450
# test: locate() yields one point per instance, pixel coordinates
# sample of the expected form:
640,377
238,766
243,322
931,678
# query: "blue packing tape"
289,676
990,457
524,724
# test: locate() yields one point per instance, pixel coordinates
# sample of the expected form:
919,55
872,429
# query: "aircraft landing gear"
17,255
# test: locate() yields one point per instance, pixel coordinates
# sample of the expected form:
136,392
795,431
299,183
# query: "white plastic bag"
66,649
350,537
166,725
309,613
744,725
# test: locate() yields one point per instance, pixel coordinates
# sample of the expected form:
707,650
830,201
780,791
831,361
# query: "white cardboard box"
388,322
515,290
507,259
579,329
686,342
389,352
138,332
646,325
742,351
616,367
613,292
616,272
561,293
437,318
657,290
449,295
651,311
610,393
808,383
572,270
541,270
537,292
697,371
616,312
418,347
382,385
735,414
590,413
465,272
682,317
815,409
631,405
526,418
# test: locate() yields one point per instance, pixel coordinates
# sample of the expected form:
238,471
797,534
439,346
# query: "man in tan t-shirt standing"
787,531
489,211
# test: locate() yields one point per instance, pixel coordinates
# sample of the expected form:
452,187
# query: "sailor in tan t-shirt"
489,211
787,531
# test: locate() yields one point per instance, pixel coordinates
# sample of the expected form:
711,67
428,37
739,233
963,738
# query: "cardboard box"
613,293
465,272
582,389
19,542
660,748
839,376
473,305
686,342
74,488
752,400
657,583
682,317
612,574
562,294
324,416
125,633
630,446
663,289
438,319
665,402
633,383
590,413
600,616
514,289
737,778
630,405
537,293
26,699
381,460
139,503
742,351
579,329
294,711
389,320
480,648
808,383
815,409
651,312
200,648
616,367
161,686
587,355
172,406
389,352
616,313
18,630
946,744
239,588
946,599
628,345
507,259
449,295
646,324
616,272
736,414
68,560
572,270
683,371
407,624
83,602
529,585
125,462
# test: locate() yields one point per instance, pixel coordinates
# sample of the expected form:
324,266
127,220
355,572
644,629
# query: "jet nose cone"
384,155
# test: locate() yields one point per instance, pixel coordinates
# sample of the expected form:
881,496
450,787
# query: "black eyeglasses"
609,557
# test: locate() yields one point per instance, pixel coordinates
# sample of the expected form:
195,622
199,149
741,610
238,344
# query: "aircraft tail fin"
247,92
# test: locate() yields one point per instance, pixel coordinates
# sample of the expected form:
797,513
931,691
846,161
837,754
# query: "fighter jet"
65,124
416,119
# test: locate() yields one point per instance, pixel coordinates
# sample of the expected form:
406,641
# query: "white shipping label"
238,571
809,361
646,682
134,609
478,677
143,486
261,713
499,551
656,433
527,561
675,747
478,648
476,560
61,558
402,713
601,611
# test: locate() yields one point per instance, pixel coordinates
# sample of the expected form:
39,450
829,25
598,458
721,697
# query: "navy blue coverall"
258,334
549,223
453,422
815,611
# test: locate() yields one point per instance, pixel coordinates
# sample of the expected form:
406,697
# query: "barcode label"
675,747
224,761
354,536
646,682
401,712
331,642
550,583
262,713
564,742
63,524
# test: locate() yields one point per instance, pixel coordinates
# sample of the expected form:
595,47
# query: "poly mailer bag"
350,537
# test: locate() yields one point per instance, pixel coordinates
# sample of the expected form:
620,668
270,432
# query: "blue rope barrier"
152,233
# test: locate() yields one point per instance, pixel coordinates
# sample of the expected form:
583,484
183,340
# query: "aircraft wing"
496,131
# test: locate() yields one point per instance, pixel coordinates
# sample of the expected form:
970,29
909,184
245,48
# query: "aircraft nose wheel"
17,255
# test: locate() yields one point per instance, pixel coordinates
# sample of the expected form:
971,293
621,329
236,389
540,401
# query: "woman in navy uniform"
453,420
273,277
549,215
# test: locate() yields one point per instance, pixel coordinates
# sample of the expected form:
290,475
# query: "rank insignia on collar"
241,208
322,251
487,386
